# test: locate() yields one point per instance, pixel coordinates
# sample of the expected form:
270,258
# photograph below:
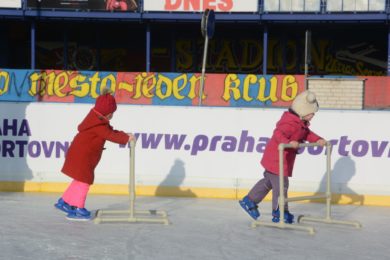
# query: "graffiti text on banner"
174,89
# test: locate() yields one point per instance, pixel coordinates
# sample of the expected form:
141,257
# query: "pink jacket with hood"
289,128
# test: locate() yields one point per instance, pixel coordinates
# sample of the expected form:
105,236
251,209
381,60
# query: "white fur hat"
305,103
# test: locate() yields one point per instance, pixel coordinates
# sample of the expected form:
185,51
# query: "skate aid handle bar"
284,146
133,142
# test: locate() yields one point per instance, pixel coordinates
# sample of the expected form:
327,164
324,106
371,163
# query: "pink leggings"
76,194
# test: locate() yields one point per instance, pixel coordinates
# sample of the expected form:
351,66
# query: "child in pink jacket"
292,128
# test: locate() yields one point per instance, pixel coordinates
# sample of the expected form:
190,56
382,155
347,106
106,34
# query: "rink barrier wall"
176,157
198,192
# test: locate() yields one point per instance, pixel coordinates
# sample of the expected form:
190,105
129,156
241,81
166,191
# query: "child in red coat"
84,154
292,128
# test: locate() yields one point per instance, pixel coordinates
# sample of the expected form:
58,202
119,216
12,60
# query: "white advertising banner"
201,5
10,4
196,147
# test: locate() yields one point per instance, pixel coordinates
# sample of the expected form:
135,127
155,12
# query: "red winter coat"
86,149
289,128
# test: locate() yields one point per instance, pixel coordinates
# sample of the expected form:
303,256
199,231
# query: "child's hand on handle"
294,144
131,137
321,142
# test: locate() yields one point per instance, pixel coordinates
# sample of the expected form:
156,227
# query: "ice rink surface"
31,228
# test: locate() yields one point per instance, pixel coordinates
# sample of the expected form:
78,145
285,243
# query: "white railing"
292,5
330,5
355,5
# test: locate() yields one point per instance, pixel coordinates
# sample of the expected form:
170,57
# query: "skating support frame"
328,196
132,215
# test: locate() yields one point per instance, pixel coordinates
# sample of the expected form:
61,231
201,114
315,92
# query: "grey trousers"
262,187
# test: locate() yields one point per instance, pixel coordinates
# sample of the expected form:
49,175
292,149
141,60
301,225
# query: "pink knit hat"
105,104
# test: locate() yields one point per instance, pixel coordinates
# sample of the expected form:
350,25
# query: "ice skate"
250,207
288,217
63,206
79,214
